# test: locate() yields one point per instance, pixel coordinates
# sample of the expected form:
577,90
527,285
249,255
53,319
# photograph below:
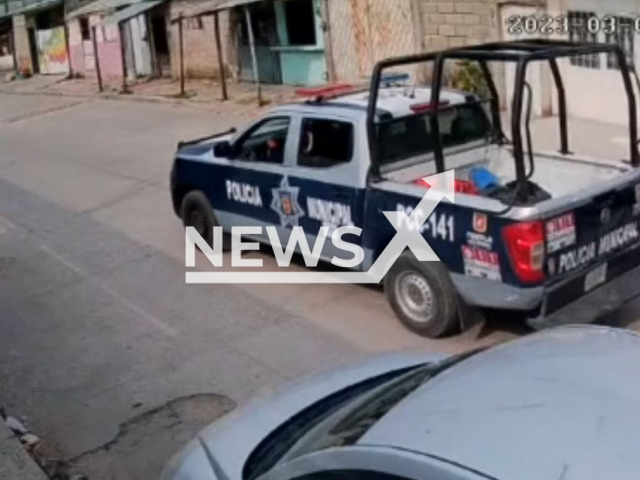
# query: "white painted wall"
535,71
6,62
596,94
140,44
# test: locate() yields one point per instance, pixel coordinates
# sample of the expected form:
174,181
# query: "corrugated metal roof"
33,7
130,12
98,6
211,6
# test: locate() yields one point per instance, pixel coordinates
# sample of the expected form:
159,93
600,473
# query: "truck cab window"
266,142
463,124
325,143
411,136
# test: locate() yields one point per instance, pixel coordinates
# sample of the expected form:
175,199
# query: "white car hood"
229,441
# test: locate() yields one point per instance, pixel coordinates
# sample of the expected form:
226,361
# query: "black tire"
197,212
423,296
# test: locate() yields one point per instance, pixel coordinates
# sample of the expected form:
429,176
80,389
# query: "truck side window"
266,142
325,143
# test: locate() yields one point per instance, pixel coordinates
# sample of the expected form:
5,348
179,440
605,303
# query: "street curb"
15,462
106,96
118,97
188,101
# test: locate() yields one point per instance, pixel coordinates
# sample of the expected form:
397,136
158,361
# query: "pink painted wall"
109,54
76,57
76,50
108,43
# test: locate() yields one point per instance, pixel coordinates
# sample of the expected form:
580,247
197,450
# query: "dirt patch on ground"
145,443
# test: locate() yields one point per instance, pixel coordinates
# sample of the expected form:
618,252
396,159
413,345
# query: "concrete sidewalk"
243,99
15,462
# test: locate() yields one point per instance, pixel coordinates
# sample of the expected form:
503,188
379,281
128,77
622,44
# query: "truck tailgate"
591,245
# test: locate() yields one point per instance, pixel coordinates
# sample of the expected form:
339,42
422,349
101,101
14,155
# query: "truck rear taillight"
525,244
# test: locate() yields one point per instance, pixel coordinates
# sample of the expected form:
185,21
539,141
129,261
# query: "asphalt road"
104,351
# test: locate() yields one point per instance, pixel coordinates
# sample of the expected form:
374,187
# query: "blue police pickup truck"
551,235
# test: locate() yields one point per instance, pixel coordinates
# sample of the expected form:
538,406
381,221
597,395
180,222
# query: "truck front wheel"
197,212
422,296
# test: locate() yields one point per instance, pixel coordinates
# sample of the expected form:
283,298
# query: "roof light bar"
325,91
389,79
427,107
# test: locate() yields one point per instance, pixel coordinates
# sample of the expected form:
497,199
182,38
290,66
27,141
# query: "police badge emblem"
285,204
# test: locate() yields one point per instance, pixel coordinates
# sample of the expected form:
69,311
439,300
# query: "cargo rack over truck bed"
522,53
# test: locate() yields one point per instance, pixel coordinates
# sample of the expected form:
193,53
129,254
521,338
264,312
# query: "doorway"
33,48
87,44
160,42
7,53
265,32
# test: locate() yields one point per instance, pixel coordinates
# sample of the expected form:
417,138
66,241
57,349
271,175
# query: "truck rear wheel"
197,212
422,296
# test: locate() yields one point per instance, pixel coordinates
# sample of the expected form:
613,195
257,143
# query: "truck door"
327,179
256,168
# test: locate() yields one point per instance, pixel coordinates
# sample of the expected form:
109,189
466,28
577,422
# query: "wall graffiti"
52,51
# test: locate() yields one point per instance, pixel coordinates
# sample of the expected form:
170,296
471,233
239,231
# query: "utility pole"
254,57
223,80
96,58
123,55
181,40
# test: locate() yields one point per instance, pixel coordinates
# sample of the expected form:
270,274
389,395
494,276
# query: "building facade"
288,40
82,52
120,37
199,48
593,83
307,42
33,33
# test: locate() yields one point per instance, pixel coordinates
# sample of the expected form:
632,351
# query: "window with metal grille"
580,30
300,22
623,35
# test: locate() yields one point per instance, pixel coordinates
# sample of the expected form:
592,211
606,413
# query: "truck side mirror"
223,149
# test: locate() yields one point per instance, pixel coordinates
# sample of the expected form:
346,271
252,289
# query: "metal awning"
212,6
97,7
34,7
130,12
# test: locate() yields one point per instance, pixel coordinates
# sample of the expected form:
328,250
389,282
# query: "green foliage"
468,76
